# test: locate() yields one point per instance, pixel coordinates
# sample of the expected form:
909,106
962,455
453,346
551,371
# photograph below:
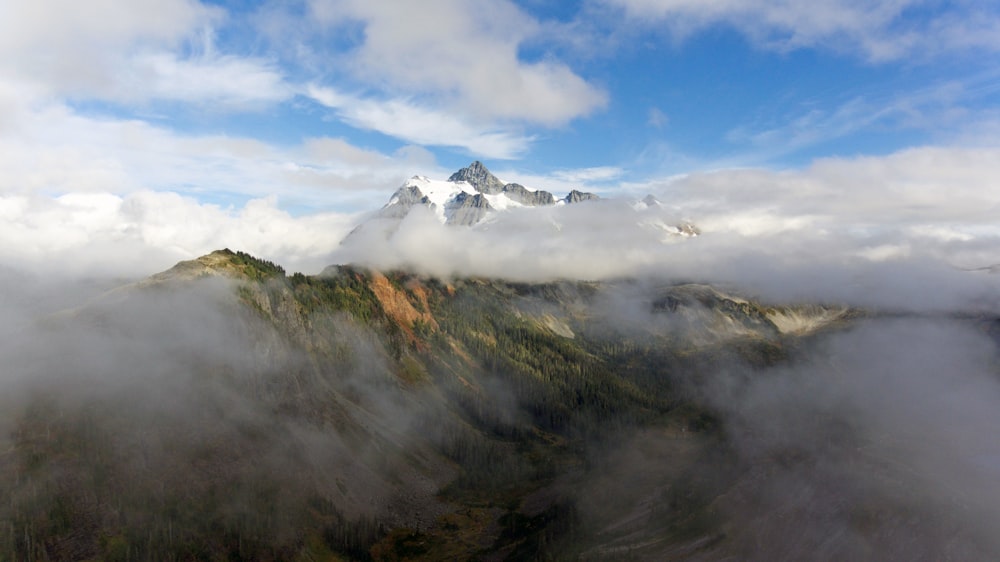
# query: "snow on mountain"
470,195
647,202
473,196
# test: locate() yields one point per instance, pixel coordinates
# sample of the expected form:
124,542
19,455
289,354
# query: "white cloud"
877,30
63,26
408,121
921,186
560,182
223,81
895,231
106,235
130,52
465,54
51,149
593,174
73,47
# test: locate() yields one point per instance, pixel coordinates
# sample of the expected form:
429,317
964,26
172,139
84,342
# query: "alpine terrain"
225,410
473,196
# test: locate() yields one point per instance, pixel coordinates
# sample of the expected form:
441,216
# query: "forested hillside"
223,410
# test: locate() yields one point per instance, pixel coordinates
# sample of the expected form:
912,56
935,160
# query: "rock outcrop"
478,177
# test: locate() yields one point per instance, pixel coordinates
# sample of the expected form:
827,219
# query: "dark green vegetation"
362,416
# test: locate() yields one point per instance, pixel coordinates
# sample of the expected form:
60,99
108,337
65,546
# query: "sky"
134,133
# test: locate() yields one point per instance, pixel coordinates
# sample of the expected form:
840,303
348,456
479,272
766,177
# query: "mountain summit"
473,197
470,195
478,177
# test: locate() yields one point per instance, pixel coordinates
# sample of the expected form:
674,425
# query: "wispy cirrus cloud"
52,149
403,119
949,107
224,82
878,31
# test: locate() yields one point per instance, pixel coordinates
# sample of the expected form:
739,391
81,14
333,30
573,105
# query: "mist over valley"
499,280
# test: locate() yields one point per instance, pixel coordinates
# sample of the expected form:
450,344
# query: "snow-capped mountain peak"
470,195
473,196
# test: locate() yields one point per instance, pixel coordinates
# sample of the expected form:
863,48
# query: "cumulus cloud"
131,52
898,232
878,31
465,53
920,186
67,25
102,234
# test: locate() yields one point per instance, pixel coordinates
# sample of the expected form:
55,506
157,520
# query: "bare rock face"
519,193
403,200
467,209
579,196
480,178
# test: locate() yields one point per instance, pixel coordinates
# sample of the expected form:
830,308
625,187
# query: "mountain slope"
226,410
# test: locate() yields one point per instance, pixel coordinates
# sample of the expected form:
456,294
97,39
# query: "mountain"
479,178
225,410
474,198
470,196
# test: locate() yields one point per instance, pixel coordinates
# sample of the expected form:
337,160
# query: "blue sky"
316,110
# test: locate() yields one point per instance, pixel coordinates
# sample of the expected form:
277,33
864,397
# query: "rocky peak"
478,177
403,200
521,194
467,209
578,196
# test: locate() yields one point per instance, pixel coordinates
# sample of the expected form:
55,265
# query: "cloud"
891,415
223,81
133,53
919,186
897,231
657,118
943,106
464,54
52,148
409,121
194,392
878,31
102,234
64,26
76,49
559,182
597,173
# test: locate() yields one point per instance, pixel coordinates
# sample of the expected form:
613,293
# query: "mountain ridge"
471,187
385,415
474,198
